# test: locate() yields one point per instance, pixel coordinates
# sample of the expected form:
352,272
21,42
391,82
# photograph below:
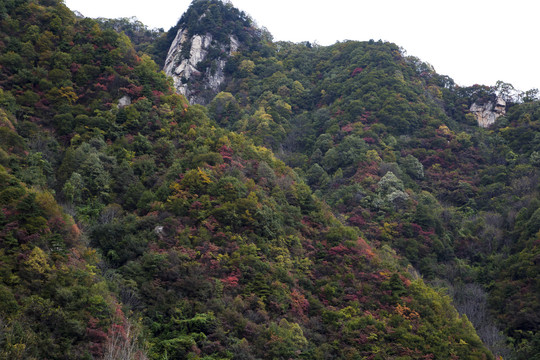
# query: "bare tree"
123,343
471,300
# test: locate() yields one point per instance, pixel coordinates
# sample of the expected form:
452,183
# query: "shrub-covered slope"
211,246
392,147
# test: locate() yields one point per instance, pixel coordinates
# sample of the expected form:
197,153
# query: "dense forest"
330,202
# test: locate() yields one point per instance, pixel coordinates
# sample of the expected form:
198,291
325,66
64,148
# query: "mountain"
136,225
208,34
396,150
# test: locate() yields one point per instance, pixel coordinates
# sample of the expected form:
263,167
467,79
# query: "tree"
224,109
317,177
530,95
413,167
286,340
390,183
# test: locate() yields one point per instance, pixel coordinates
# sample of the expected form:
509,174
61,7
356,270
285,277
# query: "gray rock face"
486,114
124,101
186,71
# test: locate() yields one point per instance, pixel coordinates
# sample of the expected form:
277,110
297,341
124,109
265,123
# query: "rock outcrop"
206,37
124,101
487,113
196,76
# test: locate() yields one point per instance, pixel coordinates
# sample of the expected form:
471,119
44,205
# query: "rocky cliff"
487,113
196,75
207,35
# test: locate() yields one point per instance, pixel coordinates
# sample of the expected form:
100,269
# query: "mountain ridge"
212,245
236,111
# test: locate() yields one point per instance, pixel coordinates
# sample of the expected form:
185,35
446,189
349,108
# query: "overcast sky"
472,41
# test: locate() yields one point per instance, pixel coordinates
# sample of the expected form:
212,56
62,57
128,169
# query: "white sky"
472,41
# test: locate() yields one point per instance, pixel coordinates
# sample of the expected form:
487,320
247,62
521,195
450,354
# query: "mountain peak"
208,34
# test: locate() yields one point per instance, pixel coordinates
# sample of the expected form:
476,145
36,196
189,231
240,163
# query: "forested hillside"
392,147
331,202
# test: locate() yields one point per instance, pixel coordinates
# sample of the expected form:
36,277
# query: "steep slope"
152,42
514,193
395,149
207,35
217,248
53,305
